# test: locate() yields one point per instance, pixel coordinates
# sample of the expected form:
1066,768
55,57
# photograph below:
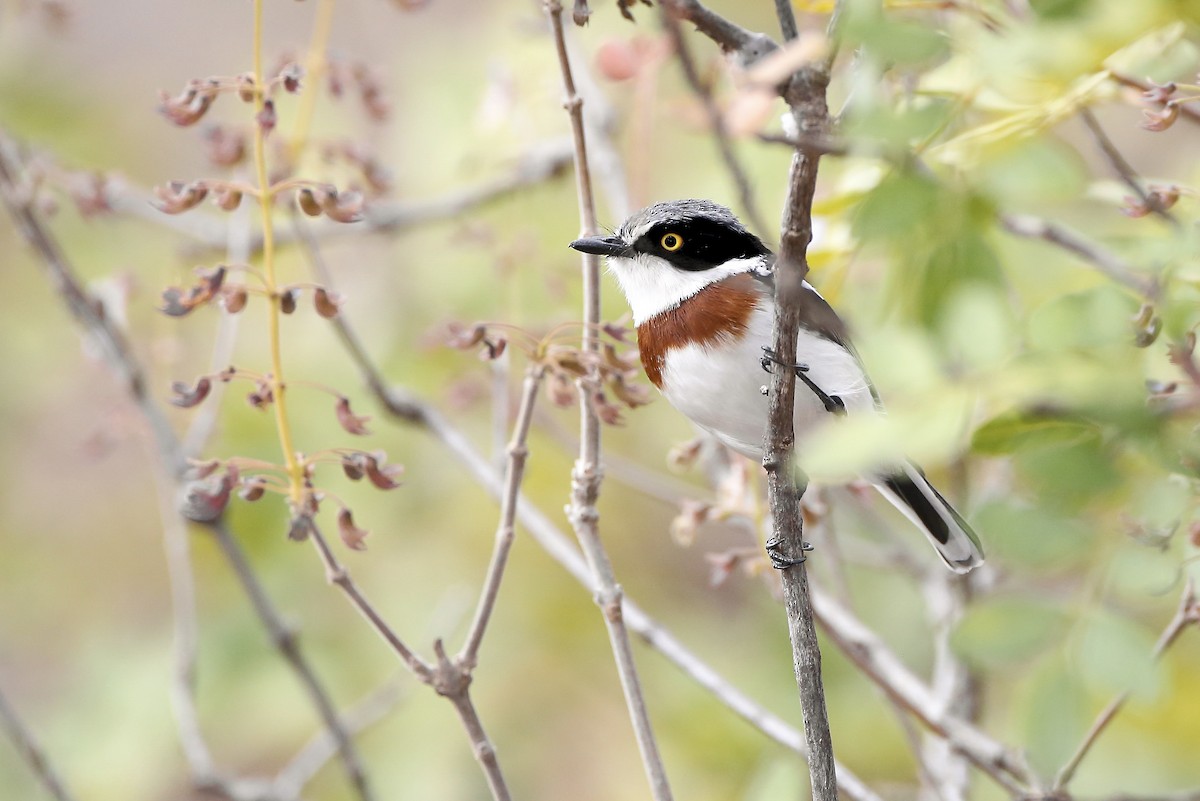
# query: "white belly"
719,386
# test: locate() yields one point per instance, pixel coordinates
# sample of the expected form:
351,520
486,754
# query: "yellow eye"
671,242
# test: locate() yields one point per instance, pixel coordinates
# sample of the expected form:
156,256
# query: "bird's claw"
832,403
781,561
770,357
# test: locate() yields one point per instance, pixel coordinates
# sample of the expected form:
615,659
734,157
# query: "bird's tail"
911,493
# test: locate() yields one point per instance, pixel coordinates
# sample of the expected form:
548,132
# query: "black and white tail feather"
919,501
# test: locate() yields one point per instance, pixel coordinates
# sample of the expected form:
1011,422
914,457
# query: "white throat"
652,286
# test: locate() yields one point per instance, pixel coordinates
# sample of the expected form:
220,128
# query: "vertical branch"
952,684
805,95
716,121
518,452
31,752
587,474
266,201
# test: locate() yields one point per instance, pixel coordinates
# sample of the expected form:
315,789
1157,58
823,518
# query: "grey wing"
816,315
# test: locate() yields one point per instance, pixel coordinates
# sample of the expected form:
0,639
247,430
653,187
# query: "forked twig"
1186,614
587,474
122,360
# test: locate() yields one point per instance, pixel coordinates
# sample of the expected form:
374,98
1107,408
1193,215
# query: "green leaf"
1013,430
1084,320
1039,539
901,202
1056,714
1114,655
999,632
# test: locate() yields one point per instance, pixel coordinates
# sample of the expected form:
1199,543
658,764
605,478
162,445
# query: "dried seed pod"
465,338
327,303
227,198
266,117
253,488
174,302
191,104
204,501
381,475
1161,120
344,207
177,197
187,396
353,465
494,348
234,298
580,12
632,395
290,77
262,396
287,300
352,423
246,88
352,535
309,202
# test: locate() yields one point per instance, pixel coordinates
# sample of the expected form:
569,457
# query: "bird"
700,287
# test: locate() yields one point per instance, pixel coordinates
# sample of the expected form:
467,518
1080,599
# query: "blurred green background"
1009,368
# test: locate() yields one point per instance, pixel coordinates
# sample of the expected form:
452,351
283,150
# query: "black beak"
601,245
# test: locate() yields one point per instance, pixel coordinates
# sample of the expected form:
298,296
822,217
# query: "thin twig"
587,473
805,95
1186,614
283,637
518,452
1103,260
123,361
31,752
1123,167
304,766
716,121
880,665
1185,111
747,45
411,410
337,574
951,682
813,143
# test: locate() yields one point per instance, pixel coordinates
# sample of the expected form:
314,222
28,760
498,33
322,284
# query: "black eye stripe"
706,244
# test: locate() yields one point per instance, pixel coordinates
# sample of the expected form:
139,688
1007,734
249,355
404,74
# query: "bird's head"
666,253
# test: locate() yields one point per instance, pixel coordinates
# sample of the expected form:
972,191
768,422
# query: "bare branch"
1124,168
716,121
518,452
284,640
304,766
1185,111
805,95
877,662
539,164
127,366
732,38
31,752
1186,614
1105,261
588,474
951,682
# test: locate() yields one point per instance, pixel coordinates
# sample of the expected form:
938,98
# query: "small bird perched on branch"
702,293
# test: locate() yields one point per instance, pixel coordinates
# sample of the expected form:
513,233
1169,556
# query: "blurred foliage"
1010,368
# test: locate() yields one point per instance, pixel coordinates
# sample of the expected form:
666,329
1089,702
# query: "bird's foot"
781,561
832,403
770,357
